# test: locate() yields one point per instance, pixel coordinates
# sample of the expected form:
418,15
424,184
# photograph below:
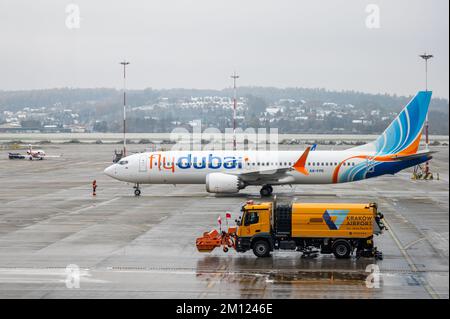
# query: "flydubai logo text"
339,215
161,162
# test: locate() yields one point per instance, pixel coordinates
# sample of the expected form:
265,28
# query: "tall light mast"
234,77
124,63
426,57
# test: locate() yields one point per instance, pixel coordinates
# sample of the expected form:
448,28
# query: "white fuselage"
186,167
229,171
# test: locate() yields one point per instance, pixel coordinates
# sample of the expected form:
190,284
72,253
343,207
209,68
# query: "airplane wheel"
265,191
137,192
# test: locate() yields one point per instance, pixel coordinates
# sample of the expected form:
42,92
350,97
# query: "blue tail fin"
404,133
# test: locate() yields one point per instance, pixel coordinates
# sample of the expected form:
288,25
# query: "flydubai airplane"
231,171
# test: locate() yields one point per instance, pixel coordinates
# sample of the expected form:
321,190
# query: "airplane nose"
110,171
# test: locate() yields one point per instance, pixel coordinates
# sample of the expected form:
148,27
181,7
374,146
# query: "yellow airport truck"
310,228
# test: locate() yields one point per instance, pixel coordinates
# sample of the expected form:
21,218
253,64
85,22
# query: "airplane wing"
278,174
52,156
41,157
265,175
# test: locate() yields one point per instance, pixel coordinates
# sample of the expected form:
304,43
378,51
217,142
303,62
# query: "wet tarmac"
128,247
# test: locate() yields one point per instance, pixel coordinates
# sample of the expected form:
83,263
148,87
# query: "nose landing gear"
137,190
266,191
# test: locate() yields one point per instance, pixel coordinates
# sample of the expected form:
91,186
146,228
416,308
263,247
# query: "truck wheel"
261,248
341,249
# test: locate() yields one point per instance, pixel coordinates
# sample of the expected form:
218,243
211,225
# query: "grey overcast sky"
198,44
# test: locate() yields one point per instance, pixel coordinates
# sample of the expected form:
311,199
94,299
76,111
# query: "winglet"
300,164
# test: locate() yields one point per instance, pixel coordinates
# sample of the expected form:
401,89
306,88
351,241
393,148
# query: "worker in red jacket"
94,187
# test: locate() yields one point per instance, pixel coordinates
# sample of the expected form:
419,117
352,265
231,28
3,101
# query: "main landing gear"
137,190
266,191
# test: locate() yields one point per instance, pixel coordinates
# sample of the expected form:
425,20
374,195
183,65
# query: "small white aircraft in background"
32,154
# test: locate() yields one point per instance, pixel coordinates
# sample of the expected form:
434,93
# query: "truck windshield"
251,218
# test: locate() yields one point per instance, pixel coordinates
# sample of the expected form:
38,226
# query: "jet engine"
223,183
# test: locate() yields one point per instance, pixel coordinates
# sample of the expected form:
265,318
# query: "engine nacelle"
223,183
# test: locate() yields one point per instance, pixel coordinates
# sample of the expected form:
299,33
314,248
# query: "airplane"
397,148
32,154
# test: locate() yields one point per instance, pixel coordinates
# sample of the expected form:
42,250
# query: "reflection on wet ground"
284,276
287,269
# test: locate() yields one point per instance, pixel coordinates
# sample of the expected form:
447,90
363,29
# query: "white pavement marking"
414,242
93,206
412,265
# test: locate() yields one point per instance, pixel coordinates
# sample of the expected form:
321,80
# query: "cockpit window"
123,162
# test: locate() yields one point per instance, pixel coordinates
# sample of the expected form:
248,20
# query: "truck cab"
255,220
255,228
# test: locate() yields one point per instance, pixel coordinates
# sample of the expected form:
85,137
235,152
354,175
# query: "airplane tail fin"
404,133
